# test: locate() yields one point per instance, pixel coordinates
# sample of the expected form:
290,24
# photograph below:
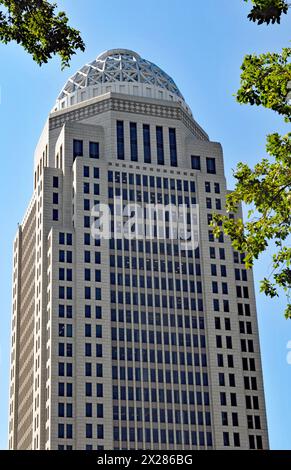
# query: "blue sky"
201,45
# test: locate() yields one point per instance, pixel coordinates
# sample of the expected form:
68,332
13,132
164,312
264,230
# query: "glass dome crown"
121,71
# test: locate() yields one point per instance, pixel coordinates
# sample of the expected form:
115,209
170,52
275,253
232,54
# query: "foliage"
266,188
264,81
39,29
268,11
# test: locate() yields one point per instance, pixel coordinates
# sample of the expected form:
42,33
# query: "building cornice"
123,103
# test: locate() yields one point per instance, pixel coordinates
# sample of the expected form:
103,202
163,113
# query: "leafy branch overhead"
268,11
266,189
265,81
39,29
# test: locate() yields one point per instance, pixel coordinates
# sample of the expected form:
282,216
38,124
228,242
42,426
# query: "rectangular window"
87,311
244,275
55,182
96,189
99,390
224,418
61,274
88,369
87,330
61,410
222,253
69,431
212,252
221,379
224,288
87,292
61,431
160,146
223,270
231,378
219,341
62,389
216,305
55,215
88,389
228,342
61,311
195,162
98,312
98,331
210,236
213,270
88,410
173,147
233,400
211,165
147,143
100,431
55,198
217,188
94,149
247,310
78,148
61,369
99,370
99,350
246,292
214,287
226,439
120,140
100,412
69,350
88,350
236,439
89,431
208,203
133,142
223,399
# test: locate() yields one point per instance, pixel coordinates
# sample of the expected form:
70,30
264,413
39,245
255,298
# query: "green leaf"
41,31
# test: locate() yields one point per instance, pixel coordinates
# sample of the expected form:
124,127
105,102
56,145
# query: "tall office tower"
130,343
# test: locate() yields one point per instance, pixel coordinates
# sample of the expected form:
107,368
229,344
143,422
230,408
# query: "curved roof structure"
123,71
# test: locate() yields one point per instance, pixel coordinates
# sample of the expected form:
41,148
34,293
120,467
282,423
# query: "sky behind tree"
201,45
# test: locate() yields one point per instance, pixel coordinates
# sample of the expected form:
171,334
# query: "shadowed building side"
22,354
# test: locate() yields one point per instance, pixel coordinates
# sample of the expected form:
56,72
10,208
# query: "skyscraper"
121,342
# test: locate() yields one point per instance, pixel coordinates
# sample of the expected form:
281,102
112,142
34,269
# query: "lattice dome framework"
122,71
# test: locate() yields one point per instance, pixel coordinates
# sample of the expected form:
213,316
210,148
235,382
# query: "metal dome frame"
119,65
